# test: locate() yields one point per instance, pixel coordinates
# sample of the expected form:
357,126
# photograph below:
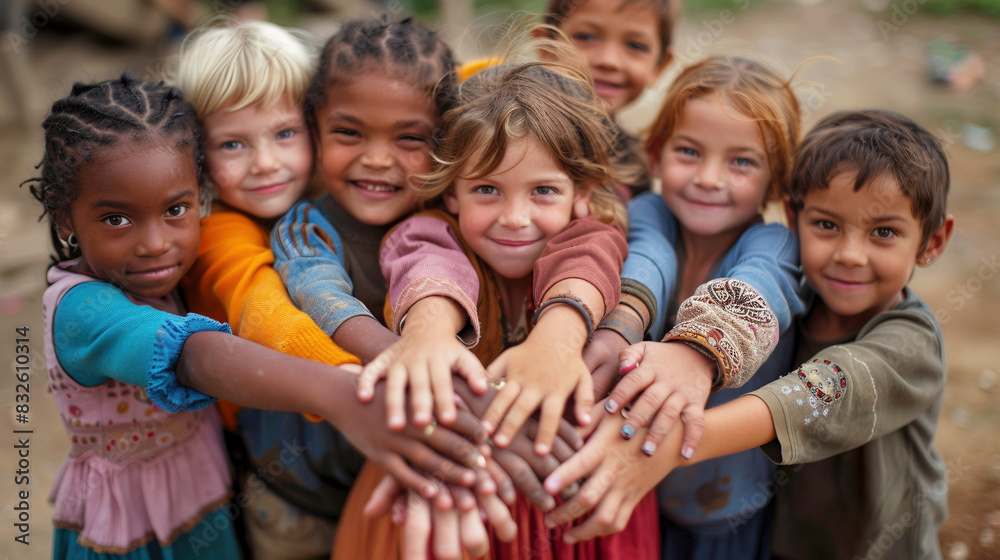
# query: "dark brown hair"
871,144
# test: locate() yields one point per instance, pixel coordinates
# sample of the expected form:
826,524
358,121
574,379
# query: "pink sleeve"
422,258
589,250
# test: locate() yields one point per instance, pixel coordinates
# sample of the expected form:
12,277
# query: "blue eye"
231,145
685,151
285,134
744,162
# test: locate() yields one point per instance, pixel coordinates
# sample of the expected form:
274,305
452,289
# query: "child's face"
259,157
373,134
510,215
858,248
713,169
621,46
136,217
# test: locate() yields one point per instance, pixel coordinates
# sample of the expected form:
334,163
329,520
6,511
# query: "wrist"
567,305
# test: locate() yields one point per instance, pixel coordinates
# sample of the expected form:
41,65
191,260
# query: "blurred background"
937,61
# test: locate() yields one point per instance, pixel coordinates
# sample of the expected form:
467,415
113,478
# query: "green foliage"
987,7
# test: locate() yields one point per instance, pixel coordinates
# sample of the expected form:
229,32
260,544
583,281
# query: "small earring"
70,242
927,261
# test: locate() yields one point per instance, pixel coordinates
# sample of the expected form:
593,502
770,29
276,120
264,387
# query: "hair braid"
97,117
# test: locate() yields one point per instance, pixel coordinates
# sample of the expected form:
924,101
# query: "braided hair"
406,49
97,117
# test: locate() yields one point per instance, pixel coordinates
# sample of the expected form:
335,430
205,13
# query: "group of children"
485,248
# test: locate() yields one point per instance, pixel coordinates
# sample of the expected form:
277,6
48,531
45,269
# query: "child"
868,194
526,151
722,145
121,182
247,82
627,44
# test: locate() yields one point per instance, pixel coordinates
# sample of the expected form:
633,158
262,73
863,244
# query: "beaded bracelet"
575,303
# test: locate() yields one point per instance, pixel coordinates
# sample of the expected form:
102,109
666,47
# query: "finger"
628,387
664,418
524,479
552,409
522,408
589,495
523,445
568,433
444,393
446,538
473,533
655,399
694,426
421,399
579,466
370,375
469,367
605,521
409,478
499,517
425,456
382,498
502,484
464,498
498,408
395,397
630,357
469,426
417,529
584,400
452,446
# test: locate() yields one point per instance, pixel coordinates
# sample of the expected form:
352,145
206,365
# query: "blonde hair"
758,92
232,64
551,101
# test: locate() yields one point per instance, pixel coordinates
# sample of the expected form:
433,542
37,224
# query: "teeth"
377,188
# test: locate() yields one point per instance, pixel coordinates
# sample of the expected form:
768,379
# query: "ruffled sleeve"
99,334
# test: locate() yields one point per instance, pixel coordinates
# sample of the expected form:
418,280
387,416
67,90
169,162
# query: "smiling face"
714,169
859,248
136,216
621,44
373,135
260,158
508,216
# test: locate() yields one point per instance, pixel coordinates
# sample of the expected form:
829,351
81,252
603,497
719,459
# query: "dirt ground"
882,63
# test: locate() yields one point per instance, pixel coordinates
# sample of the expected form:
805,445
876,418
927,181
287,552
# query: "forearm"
434,314
741,424
251,375
364,337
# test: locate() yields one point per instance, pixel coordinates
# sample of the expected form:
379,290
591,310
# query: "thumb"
629,358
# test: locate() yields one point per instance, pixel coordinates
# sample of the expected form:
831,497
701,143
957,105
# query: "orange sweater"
233,281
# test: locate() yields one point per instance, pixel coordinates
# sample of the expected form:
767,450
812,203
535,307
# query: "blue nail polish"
649,448
628,431
611,406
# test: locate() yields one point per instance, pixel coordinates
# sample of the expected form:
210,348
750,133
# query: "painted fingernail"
687,452
649,448
628,431
611,406
626,367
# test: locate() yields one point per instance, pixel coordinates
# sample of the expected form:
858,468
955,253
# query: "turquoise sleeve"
99,335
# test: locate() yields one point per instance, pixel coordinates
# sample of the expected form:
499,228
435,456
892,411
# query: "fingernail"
552,483
628,431
586,418
611,406
649,448
541,449
488,426
397,421
626,367
569,539
429,491
500,440
421,418
481,462
569,491
687,452
549,524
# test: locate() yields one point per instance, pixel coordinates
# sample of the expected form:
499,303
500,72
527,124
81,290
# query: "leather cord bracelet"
573,302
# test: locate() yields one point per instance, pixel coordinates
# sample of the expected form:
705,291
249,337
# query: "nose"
377,156
515,215
709,174
154,242
265,159
851,251
606,56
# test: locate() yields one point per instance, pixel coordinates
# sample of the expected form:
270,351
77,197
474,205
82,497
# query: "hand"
446,454
674,381
425,357
543,371
601,357
618,475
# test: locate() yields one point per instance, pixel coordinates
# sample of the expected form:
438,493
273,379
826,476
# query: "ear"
450,201
791,216
581,205
654,162
937,242
64,227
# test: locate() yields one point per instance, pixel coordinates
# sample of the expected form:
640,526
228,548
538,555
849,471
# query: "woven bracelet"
573,302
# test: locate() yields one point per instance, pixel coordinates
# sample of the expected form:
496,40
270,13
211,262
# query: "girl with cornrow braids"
146,474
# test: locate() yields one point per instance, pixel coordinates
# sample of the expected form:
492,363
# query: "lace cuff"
162,386
729,321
